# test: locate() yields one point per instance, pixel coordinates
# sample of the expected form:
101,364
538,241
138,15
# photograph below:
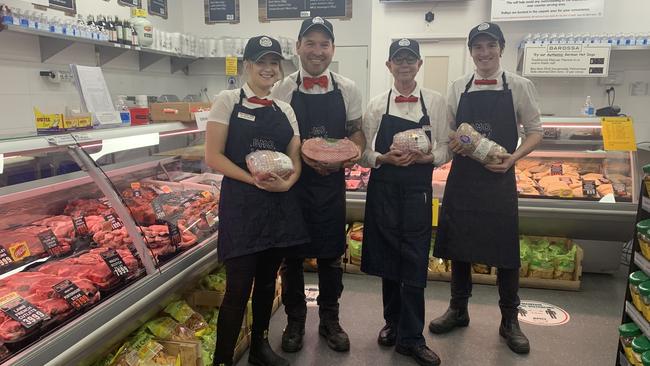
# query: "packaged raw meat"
262,163
415,140
331,152
478,147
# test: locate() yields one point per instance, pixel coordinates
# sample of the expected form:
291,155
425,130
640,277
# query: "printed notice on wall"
562,60
511,10
618,134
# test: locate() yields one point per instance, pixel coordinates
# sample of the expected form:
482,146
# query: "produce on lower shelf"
184,314
355,241
627,332
547,257
263,163
437,265
215,281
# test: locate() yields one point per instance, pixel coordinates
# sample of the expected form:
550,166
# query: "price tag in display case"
115,263
72,294
22,310
135,186
5,258
80,225
51,243
116,223
174,233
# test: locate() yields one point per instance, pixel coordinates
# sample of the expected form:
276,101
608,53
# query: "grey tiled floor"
590,338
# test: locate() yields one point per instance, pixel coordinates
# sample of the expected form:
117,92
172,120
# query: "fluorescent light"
110,146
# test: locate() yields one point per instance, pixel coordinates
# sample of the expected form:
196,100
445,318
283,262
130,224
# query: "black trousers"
241,271
330,287
461,287
404,310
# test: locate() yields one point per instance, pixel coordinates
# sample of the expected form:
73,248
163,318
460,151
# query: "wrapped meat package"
262,163
478,147
415,140
331,152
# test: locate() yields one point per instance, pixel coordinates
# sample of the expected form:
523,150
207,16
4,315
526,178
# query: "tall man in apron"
479,217
397,228
326,105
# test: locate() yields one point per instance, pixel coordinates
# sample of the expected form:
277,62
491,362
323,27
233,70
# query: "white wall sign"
566,60
510,10
541,313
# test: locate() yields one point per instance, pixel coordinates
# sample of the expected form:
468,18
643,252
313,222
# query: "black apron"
252,220
322,197
479,216
397,227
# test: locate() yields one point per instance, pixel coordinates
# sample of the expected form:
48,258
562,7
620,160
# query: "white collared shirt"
436,110
284,89
524,97
225,102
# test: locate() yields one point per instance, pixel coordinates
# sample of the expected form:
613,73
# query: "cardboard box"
189,351
176,111
57,122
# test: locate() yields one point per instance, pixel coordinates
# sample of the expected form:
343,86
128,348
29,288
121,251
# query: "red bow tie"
256,100
485,82
403,99
310,82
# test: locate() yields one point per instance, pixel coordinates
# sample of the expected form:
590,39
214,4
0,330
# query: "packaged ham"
262,163
414,140
477,147
331,152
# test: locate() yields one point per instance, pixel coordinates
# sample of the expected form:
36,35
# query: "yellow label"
647,187
618,134
135,12
166,189
20,250
47,121
231,66
8,298
435,206
207,195
135,185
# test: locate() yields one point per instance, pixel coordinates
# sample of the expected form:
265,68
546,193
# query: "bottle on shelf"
126,28
588,108
144,30
112,33
123,108
16,14
5,15
134,37
119,30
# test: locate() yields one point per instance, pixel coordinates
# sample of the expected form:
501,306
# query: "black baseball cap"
315,23
259,46
410,45
487,28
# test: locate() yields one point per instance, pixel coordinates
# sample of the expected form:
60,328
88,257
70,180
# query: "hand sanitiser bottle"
588,108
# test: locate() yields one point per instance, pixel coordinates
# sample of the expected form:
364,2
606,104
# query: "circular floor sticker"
541,313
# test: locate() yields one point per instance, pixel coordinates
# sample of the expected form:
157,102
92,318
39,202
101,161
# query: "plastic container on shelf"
640,345
635,279
627,332
644,291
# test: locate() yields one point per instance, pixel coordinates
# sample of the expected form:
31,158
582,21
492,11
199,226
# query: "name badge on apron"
246,116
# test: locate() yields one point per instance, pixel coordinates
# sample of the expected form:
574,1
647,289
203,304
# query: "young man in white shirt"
479,216
327,105
397,227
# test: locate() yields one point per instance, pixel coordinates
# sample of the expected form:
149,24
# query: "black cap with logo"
487,28
410,45
316,23
259,46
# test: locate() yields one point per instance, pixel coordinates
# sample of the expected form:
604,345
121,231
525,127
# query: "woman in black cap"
479,216
257,218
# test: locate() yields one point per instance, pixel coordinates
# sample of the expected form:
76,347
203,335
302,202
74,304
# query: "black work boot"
451,319
387,335
509,329
261,354
337,339
422,354
292,336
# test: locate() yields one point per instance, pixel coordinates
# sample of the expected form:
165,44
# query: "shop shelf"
637,318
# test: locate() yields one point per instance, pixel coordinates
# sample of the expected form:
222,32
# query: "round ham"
330,151
262,163
412,141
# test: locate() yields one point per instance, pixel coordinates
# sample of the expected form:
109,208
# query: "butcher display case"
97,229
569,186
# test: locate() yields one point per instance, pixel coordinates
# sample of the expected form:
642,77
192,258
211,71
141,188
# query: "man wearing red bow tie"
327,105
479,217
397,227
